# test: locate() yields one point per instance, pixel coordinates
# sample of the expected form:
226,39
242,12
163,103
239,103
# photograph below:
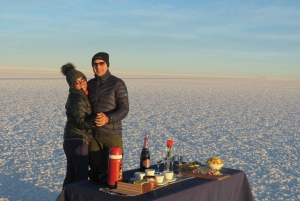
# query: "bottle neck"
146,142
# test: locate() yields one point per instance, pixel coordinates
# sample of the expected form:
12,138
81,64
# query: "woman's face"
81,83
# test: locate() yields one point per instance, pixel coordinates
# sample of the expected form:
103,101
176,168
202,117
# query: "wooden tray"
132,189
189,173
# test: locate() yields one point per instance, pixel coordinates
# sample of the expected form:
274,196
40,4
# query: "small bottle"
145,155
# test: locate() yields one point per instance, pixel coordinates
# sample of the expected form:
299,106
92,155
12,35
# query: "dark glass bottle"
145,155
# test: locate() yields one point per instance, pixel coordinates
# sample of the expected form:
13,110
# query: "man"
109,100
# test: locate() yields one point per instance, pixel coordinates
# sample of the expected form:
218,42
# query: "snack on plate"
210,172
214,160
217,173
195,163
151,180
190,166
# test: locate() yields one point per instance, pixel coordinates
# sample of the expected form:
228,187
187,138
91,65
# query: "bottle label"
146,163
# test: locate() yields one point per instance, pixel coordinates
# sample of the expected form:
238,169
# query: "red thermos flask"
115,169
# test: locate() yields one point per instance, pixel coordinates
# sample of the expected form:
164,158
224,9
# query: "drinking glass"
180,155
159,157
173,155
164,155
176,168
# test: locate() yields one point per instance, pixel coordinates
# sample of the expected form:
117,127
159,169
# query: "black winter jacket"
79,119
108,94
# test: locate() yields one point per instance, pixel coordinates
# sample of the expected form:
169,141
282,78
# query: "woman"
78,133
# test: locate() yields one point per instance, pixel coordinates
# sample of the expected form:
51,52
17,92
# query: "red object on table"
115,169
170,143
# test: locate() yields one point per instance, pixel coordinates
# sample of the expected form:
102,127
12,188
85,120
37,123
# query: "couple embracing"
95,110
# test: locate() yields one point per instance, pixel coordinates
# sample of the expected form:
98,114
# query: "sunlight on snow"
252,124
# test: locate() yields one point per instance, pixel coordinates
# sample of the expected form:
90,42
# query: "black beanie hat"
71,73
103,56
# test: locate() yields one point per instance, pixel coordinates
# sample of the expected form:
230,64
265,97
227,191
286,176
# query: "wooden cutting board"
189,173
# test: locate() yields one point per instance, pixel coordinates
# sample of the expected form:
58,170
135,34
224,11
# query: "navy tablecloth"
234,188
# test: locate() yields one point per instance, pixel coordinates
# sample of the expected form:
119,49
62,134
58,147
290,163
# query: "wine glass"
158,159
164,155
180,155
173,155
176,164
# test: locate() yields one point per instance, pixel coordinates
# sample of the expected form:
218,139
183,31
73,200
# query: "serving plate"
171,180
165,182
190,173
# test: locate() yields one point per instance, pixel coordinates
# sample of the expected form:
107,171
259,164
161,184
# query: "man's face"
99,67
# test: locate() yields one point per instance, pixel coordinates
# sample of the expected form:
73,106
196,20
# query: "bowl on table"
150,172
159,178
138,176
214,166
168,175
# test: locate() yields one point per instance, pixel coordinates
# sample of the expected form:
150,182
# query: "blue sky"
249,38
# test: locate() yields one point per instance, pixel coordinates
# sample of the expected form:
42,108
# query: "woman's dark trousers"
77,154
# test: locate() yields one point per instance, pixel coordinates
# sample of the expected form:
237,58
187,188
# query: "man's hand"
101,119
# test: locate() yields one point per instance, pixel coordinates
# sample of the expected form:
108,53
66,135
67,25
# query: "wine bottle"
145,155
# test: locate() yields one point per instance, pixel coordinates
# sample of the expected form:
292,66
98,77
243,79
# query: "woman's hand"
101,119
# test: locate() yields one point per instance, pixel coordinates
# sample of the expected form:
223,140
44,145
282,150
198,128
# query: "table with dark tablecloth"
234,188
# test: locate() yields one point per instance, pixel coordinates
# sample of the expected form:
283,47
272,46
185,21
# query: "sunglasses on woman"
81,80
